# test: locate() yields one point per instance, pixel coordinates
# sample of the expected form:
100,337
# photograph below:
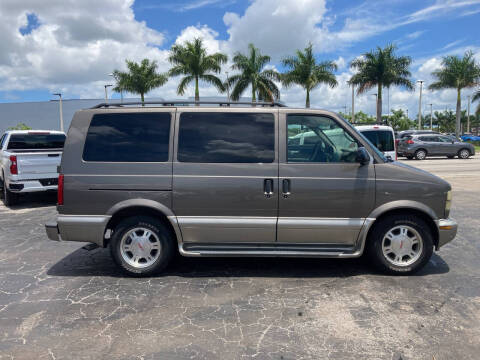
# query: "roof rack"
185,103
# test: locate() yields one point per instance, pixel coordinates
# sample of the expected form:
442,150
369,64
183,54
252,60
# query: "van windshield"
382,139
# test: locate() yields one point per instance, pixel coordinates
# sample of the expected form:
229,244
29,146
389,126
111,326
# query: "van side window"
128,137
321,140
226,138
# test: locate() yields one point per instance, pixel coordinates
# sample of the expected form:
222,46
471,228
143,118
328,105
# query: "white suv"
382,136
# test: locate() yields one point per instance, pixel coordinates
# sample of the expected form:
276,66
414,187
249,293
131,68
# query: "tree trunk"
142,95
307,102
379,104
459,107
197,94
254,97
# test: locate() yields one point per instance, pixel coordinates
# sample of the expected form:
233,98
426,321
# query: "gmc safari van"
242,179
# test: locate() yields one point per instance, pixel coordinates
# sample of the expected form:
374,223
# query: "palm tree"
191,60
381,68
140,78
457,73
476,97
305,71
252,73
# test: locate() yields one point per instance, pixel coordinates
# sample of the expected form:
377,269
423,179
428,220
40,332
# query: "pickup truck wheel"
400,244
9,198
142,246
464,154
420,154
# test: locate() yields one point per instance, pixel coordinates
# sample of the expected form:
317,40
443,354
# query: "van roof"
174,103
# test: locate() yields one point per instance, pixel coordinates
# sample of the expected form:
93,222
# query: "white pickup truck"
28,162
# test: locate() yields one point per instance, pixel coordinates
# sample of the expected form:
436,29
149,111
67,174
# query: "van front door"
225,175
325,194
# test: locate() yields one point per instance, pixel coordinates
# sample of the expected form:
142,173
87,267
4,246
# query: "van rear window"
382,139
36,141
128,137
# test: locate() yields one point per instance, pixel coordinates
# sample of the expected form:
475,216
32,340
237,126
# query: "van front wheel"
400,244
142,246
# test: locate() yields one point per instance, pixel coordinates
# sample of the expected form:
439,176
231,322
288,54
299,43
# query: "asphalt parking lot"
58,301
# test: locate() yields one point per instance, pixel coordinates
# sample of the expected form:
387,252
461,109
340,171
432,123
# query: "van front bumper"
78,228
447,229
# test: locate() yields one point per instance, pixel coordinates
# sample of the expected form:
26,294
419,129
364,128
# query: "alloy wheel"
464,154
402,245
140,247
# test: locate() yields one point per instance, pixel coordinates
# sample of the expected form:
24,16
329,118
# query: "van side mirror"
363,156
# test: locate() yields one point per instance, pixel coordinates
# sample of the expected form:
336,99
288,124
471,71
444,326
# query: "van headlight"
448,204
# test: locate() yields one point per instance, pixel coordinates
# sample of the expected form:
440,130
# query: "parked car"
383,137
470,137
421,146
28,162
404,133
238,181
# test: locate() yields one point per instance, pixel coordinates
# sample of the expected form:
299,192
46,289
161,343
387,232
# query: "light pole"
420,105
61,110
407,115
431,116
353,104
121,91
468,114
106,93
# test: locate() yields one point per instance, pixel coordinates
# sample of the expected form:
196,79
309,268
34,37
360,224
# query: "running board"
268,250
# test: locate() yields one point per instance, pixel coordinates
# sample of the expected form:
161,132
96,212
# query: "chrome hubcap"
421,155
402,245
140,247
464,154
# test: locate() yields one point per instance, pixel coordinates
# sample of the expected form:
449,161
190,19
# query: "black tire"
409,157
450,156
9,198
377,234
161,231
463,154
421,154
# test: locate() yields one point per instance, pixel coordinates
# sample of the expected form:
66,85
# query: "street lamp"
106,93
420,105
61,109
353,104
431,116
121,91
468,115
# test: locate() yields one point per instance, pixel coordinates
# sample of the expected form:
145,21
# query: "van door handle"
286,187
268,187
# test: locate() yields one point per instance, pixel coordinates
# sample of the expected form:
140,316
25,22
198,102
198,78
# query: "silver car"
419,146
242,180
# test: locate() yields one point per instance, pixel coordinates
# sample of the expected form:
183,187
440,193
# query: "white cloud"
71,45
78,43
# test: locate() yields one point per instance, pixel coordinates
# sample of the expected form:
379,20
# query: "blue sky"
72,46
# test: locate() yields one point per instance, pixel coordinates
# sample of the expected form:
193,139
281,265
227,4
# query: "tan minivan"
240,179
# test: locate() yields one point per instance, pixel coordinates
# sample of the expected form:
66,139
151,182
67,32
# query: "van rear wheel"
142,246
400,244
